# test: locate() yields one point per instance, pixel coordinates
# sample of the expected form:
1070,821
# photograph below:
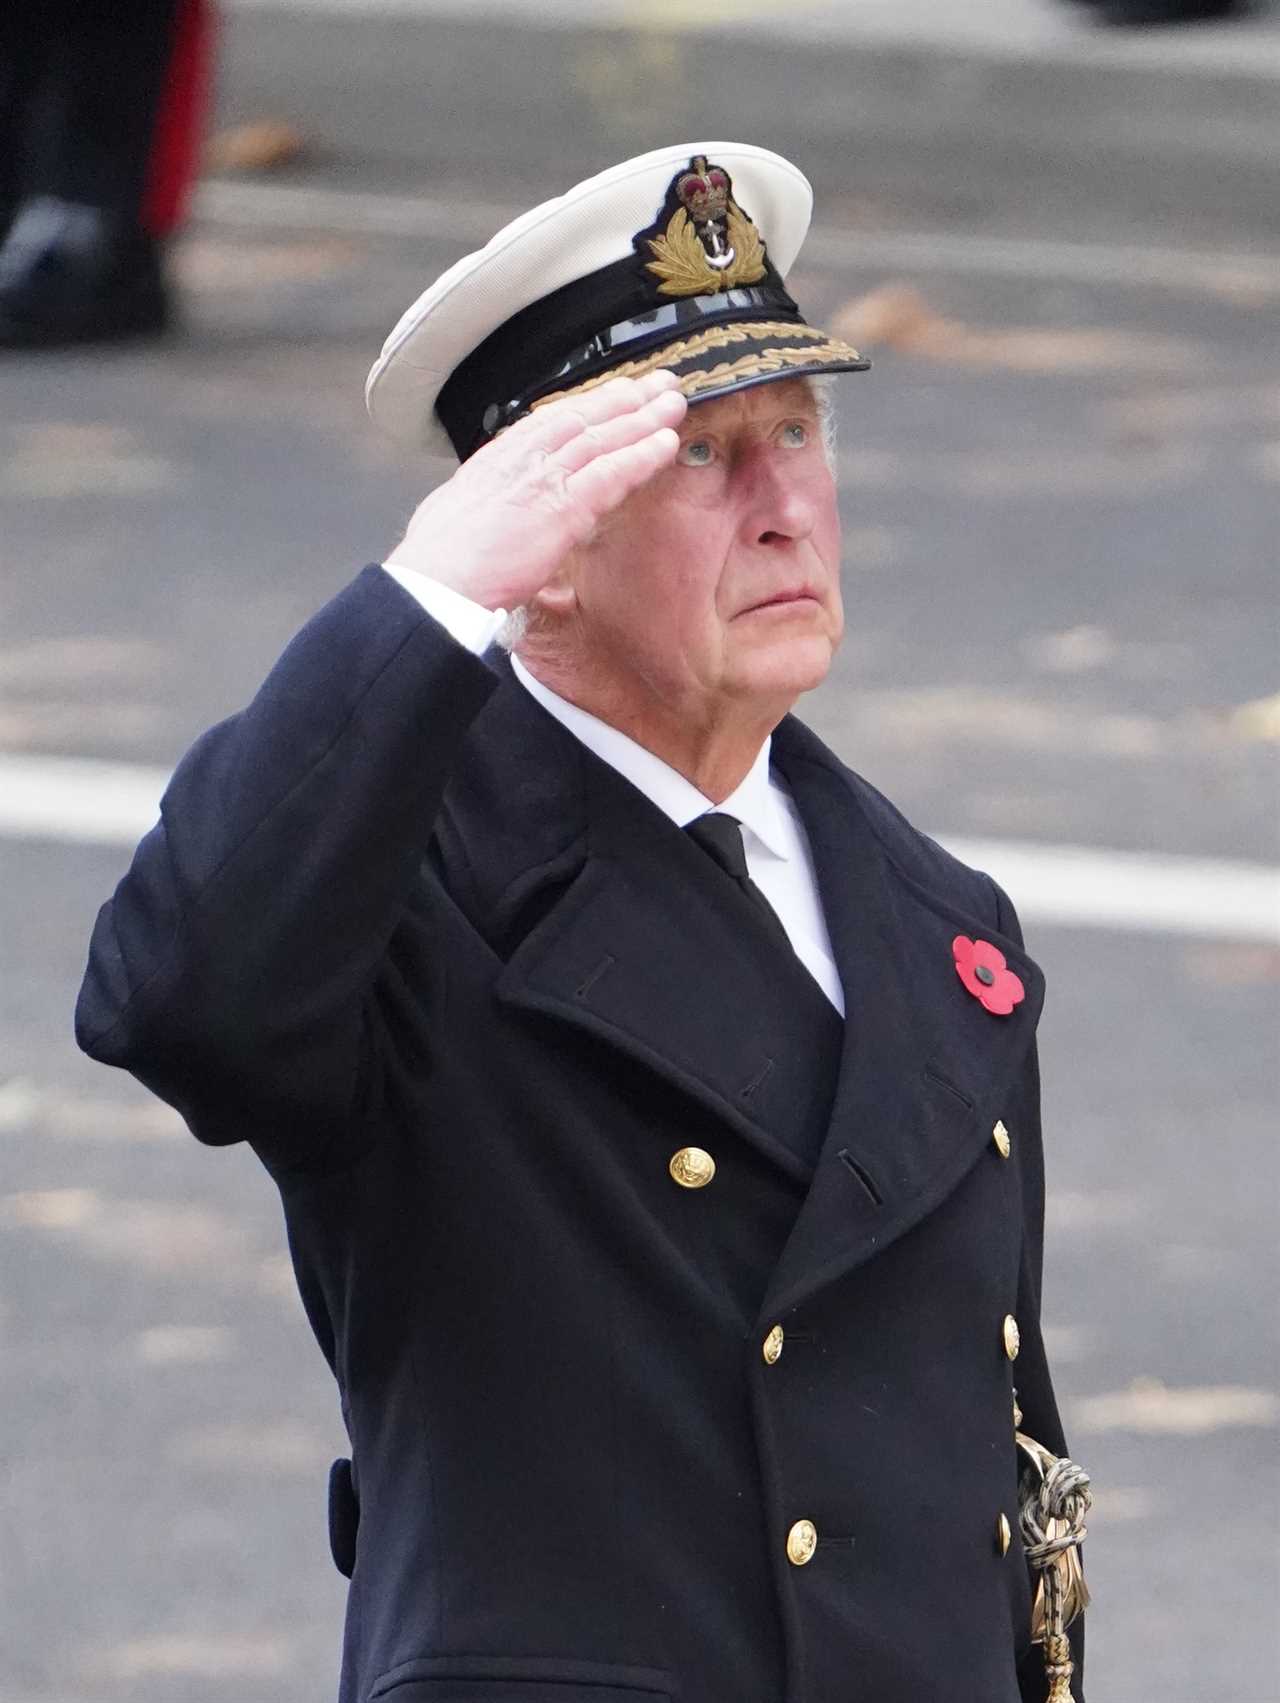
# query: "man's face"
718,584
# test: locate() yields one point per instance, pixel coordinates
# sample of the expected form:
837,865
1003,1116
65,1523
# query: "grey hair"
821,387
514,628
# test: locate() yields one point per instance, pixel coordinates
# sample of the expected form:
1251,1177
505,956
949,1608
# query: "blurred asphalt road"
1061,489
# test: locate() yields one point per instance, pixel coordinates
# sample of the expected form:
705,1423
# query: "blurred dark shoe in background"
71,273
1130,13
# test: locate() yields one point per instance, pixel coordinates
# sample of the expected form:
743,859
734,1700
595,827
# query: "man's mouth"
791,594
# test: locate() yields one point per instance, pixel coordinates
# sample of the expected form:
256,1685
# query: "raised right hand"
499,528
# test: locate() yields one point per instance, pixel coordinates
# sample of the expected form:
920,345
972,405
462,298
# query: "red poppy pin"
982,969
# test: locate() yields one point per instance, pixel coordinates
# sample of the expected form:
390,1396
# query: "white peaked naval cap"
677,258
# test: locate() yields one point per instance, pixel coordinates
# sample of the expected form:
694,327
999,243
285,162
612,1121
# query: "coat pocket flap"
344,1517
521,1679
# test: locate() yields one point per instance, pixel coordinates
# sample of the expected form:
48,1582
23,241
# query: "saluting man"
654,1109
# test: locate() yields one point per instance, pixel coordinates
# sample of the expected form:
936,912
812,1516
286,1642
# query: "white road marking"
83,801
77,800
1142,892
297,207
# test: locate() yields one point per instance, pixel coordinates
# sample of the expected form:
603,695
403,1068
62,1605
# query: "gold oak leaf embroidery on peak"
680,260
744,238
673,354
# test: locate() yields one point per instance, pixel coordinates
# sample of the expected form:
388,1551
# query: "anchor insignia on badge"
709,243
704,193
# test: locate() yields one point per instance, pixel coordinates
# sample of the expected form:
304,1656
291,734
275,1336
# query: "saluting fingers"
549,429
609,479
665,410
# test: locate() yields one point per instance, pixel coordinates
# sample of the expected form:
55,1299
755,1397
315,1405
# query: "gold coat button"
1011,1336
802,1540
1004,1537
1000,1135
692,1168
772,1349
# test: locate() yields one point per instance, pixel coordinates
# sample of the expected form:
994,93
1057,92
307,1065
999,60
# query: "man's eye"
795,435
696,453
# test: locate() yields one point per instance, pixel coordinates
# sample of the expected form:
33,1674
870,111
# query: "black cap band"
537,348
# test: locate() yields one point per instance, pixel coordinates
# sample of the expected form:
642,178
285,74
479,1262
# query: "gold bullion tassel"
1055,1500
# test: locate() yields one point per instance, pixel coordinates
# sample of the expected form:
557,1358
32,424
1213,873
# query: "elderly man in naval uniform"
654,1109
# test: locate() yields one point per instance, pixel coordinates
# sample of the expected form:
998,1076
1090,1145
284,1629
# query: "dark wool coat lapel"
613,922
924,1065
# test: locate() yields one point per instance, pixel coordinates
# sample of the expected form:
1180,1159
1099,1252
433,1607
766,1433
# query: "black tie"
720,836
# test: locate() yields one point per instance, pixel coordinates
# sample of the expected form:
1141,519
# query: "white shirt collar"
754,801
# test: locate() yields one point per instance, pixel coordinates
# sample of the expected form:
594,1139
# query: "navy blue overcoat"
467,993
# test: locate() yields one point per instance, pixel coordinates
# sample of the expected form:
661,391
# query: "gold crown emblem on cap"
709,244
704,191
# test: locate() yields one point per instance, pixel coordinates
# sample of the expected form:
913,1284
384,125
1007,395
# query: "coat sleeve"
232,969
1034,1384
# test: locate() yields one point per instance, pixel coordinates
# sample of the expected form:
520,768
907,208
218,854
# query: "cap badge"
709,243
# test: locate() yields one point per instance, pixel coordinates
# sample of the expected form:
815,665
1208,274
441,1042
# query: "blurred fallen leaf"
266,144
1124,1502
42,663
1243,288
1257,720
897,316
51,1209
283,1447
1269,460
1234,965
1150,1406
69,458
211,263
1192,410
183,1345
19,1103
230,1656
1076,650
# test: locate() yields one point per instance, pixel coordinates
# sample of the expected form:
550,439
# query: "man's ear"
559,596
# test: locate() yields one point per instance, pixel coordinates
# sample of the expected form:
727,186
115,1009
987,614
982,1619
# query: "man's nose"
777,508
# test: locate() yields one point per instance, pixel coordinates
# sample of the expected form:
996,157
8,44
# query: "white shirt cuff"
471,624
